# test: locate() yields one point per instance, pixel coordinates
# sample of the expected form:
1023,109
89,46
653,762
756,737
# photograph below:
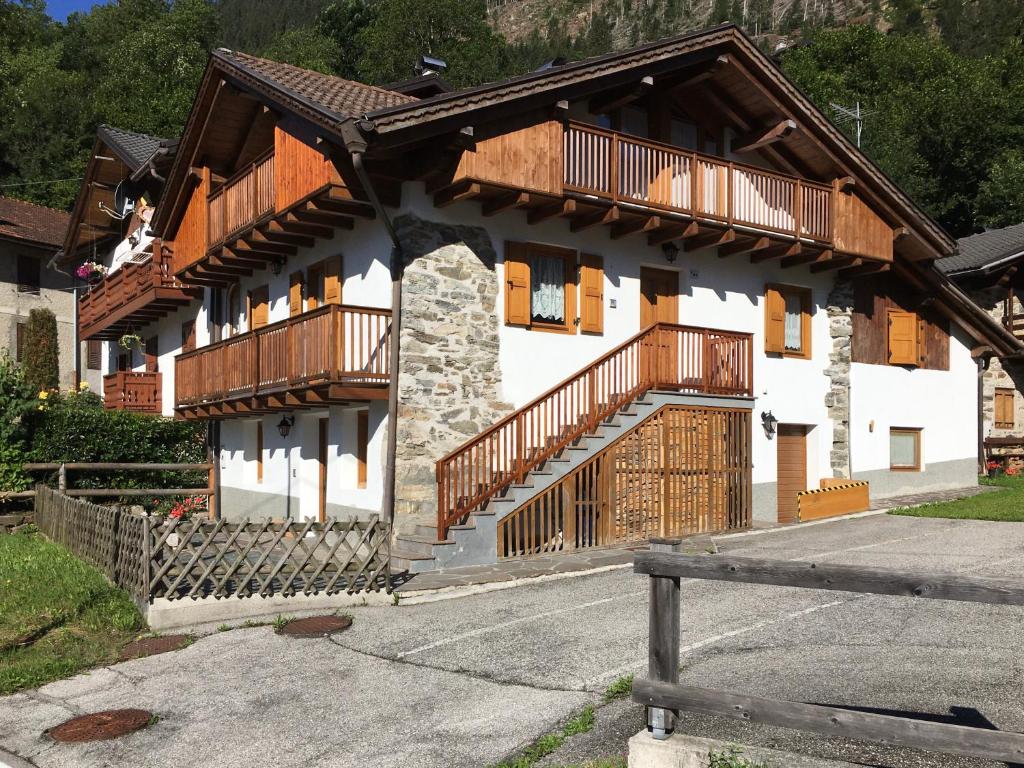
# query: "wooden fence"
153,557
665,697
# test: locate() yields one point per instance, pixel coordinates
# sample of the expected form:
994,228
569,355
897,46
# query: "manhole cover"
148,646
100,726
316,626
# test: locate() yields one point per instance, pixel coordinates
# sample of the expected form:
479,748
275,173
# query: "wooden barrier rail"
678,357
63,469
664,697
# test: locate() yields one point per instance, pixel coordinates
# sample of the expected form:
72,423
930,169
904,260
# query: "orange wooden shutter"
1004,410
517,284
903,349
774,320
332,281
295,294
259,307
591,293
362,443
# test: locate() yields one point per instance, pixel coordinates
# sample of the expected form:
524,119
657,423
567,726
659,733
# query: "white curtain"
793,312
547,284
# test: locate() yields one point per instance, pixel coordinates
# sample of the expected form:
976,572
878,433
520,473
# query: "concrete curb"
7,760
683,751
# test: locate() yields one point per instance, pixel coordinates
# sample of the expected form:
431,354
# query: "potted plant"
92,271
995,468
130,341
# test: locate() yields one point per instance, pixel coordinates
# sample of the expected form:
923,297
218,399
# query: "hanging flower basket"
130,341
92,271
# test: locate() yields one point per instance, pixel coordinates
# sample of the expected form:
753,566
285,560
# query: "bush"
40,357
17,399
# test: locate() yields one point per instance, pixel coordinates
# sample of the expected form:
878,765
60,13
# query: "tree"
1001,196
343,22
41,353
306,48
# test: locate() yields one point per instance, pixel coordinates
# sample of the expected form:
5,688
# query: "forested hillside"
941,81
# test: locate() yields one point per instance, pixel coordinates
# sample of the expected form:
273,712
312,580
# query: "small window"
788,321
1005,412
28,274
19,347
904,449
94,354
540,287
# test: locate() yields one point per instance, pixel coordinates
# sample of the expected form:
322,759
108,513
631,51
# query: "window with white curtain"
794,321
547,288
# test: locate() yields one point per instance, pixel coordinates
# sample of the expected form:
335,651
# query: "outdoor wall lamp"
284,426
276,266
671,251
768,421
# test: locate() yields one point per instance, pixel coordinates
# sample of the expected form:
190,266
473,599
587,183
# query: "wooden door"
152,355
659,303
792,469
322,460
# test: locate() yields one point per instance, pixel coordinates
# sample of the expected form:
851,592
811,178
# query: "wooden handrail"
679,357
747,195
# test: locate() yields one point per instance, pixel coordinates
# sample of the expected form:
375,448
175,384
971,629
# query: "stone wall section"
839,307
999,374
449,374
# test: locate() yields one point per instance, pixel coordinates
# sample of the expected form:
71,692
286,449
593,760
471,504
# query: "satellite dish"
124,200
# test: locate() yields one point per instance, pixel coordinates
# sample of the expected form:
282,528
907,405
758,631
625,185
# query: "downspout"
983,363
356,144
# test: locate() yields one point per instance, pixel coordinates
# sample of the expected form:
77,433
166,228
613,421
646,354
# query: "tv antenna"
856,116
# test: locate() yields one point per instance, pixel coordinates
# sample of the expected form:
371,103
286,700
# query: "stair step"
463,526
419,538
402,554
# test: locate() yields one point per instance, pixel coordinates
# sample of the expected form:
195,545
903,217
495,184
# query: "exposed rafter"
762,137
620,97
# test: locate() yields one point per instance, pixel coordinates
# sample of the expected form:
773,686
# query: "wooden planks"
133,391
791,453
836,498
529,159
301,169
860,231
873,298
190,242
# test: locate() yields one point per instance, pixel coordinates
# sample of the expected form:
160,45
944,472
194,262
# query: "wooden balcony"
285,199
596,177
331,355
133,391
131,297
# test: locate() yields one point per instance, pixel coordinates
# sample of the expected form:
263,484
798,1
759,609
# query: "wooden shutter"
591,293
259,451
188,335
94,354
295,294
903,346
517,284
332,281
1004,409
259,307
19,347
774,320
362,444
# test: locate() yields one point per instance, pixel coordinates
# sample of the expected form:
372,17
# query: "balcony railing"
625,169
133,391
243,200
123,294
334,344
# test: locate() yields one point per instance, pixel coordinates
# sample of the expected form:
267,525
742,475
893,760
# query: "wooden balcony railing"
243,199
625,169
668,356
331,344
116,296
133,391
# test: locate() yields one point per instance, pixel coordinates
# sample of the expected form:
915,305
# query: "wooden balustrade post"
592,399
705,354
797,206
520,456
613,163
663,639
728,194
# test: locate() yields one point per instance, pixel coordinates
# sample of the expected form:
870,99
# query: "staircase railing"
677,357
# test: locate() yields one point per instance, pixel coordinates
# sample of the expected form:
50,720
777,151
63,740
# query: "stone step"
402,560
423,545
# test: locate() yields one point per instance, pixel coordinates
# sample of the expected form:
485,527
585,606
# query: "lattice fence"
152,557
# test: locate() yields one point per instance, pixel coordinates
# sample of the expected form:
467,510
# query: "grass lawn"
57,615
1006,505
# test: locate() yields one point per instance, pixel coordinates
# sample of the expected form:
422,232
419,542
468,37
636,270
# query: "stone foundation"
837,400
449,376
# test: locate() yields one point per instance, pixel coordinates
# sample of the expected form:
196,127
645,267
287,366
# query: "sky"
59,9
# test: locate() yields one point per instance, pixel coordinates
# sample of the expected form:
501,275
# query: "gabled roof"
32,223
343,98
987,249
133,149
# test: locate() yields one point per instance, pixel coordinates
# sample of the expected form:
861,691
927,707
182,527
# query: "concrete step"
424,545
401,560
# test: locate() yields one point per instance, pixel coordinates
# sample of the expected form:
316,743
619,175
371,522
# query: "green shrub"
39,362
17,400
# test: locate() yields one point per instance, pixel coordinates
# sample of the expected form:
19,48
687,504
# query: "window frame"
29,288
570,259
916,433
806,297
94,355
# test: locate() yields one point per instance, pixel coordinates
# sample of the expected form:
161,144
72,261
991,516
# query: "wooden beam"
744,245
505,201
776,251
593,219
846,184
666,234
455,193
563,208
625,228
257,241
620,97
292,223
331,204
864,269
709,240
323,218
762,137
899,233
688,80
834,263
840,722
275,232
807,257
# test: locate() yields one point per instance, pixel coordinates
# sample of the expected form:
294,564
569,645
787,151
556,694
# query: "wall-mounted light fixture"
769,422
284,426
671,251
277,265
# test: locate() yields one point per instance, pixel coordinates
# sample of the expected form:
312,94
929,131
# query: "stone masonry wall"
450,378
837,400
999,374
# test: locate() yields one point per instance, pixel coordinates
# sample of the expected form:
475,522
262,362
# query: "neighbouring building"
988,267
30,235
650,292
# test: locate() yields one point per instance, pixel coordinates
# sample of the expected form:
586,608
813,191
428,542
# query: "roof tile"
32,223
981,250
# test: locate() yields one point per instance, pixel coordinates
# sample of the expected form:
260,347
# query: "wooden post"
663,642
62,478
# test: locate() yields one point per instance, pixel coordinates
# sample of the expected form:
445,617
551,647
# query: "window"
94,354
787,321
904,449
19,346
362,445
1005,414
540,287
28,274
904,338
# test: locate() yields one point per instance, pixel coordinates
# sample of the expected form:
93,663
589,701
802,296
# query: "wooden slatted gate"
684,470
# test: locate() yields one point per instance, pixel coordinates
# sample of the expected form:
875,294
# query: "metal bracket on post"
663,645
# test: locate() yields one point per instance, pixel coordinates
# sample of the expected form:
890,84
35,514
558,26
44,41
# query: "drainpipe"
983,363
356,144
